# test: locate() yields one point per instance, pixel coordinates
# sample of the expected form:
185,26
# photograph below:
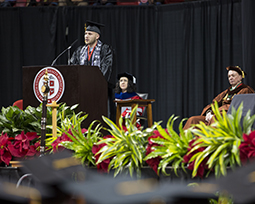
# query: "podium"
132,103
83,85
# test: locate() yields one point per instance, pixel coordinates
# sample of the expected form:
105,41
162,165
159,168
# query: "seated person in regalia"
126,90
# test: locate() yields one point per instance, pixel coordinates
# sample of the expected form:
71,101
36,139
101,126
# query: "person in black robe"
97,53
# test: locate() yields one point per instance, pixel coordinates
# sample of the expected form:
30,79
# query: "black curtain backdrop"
178,52
248,39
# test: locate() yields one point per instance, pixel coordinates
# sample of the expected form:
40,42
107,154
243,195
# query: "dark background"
178,52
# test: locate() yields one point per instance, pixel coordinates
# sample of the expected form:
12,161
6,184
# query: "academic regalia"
128,96
101,57
223,99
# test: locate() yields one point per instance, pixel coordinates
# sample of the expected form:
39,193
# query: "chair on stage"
143,95
19,104
248,101
147,103
143,116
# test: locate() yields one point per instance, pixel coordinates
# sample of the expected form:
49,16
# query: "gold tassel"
243,74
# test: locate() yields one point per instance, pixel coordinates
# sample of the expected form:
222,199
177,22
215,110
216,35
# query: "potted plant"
126,148
219,143
170,147
21,129
72,136
81,142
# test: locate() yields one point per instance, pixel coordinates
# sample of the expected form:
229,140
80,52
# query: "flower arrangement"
154,161
216,147
170,148
247,147
80,140
103,165
22,146
126,148
203,149
187,159
21,129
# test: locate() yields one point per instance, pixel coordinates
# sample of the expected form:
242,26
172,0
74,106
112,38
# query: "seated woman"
125,90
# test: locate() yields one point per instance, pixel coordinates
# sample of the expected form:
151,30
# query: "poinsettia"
21,146
102,166
186,159
35,148
153,162
247,147
5,155
56,146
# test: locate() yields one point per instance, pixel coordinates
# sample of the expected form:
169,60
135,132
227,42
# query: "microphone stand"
68,52
67,49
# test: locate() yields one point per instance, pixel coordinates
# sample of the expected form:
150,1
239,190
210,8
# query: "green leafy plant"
127,147
82,143
70,135
14,120
221,140
67,121
171,146
67,118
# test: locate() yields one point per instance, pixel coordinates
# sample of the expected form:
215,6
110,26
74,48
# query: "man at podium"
94,52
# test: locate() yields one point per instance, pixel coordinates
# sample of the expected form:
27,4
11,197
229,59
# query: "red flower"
247,147
56,144
153,162
124,128
103,166
5,155
187,157
34,149
21,145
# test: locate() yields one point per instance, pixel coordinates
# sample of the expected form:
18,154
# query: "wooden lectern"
84,85
132,103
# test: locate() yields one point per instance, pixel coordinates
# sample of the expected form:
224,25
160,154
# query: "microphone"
54,61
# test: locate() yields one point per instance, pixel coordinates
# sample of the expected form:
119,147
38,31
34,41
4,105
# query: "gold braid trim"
241,71
227,99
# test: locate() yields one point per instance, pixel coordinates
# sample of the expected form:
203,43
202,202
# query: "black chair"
248,101
143,117
143,96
